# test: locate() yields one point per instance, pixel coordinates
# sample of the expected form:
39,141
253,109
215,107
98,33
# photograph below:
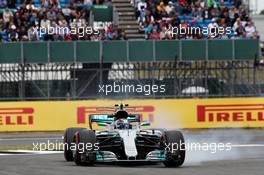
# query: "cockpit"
121,121
122,124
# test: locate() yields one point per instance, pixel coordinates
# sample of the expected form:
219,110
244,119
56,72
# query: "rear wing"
102,113
111,110
108,118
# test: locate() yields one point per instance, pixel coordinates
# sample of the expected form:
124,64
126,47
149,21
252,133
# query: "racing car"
123,139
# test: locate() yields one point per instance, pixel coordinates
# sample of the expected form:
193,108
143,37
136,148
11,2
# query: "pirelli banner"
168,113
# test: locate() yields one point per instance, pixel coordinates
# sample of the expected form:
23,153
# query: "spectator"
3,3
110,33
175,21
67,13
240,29
11,3
106,2
237,3
2,23
8,15
30,6
169,8
12,33
45,22
164,34
87,4
142,15
33,34
207,14
141,5
250,29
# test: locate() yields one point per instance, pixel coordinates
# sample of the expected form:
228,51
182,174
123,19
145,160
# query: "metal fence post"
127,50
73,94
233,50
206,68
48,77
22,81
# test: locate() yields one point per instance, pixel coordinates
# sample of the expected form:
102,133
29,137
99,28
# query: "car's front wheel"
68,141
175,149
85,148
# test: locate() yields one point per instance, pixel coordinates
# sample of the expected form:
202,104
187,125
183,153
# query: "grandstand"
128,42
131,19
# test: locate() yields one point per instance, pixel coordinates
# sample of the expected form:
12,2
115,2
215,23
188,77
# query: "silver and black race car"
123,140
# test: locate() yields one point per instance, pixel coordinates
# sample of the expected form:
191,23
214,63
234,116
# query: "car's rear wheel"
85,148
175,150
68,140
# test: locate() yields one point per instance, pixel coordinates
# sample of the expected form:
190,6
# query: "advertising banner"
163,113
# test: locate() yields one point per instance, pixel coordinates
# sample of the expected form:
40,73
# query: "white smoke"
241,141
235,137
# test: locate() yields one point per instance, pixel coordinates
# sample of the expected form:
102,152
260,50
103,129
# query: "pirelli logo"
230,112
16,116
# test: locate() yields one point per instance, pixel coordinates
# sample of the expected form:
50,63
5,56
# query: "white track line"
23,139
36,152
247,145
27,152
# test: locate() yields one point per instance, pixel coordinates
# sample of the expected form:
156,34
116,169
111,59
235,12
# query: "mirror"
111,116
102,124
145,124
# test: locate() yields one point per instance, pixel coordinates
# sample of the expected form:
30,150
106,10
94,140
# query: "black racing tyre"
85,148
174,157
68,140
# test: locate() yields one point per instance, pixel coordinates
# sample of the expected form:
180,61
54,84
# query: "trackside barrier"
128,51
168,113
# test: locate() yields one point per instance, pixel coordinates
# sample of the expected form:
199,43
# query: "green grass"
4,148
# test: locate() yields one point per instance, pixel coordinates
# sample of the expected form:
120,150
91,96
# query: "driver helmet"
120,124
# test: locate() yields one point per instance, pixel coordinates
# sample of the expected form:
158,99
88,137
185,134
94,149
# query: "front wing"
153,156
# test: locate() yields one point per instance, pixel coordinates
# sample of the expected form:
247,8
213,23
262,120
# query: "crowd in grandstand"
157,17
21,19
30,22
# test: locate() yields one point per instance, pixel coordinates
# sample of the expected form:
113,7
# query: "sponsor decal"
16,116
230,113
84,112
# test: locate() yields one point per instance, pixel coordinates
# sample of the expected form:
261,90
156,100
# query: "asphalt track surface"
245,158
